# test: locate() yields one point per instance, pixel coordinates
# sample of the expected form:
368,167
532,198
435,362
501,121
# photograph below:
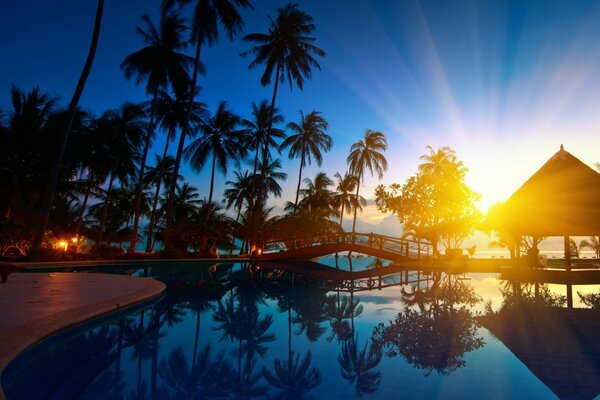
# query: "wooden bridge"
371,244
348,281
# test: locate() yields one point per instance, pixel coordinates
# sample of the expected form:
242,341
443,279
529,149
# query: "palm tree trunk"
342,215
196,340
258,191
82,212
140,186
212,183
156,197
171,197
154,366
64,137
299,180
289,339
356,208
105,209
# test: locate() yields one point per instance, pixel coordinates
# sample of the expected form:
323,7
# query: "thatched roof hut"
561,199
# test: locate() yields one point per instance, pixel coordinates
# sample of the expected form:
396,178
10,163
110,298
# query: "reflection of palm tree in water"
244,324
205,377
339,310
357,365
436,337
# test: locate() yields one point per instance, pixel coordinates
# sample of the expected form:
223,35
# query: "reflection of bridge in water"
345,281
380,246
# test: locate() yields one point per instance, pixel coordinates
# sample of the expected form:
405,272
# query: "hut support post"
567,254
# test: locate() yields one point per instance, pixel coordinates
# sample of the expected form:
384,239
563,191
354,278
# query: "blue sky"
504,83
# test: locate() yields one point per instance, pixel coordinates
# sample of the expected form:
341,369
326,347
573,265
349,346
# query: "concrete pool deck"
34,306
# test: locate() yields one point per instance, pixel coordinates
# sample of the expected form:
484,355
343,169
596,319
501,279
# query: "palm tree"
287,49
205,30
122,131
160,62
293,378
592,244
441,162
239,192
344,198
307,142
257,130
62,142
367,153
155,176
171,113
20,150
316,198
220,137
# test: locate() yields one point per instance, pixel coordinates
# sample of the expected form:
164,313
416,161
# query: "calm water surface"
232,331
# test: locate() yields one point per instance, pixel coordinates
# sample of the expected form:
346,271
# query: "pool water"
232,330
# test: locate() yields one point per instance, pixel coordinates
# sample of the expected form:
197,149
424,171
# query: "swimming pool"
231,330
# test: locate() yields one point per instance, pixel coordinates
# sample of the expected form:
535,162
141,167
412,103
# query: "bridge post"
418,249
406,249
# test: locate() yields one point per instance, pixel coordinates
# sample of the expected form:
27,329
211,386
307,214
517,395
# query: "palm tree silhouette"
441,163
317,198
63,138
122,133
339,310
307,142
294,378
238,193
159,63
157,175
289,51
367,153
257,131
205,377
171,113
344,198
220,137
207,16
358,365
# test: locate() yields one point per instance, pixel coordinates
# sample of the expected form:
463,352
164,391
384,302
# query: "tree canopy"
435,203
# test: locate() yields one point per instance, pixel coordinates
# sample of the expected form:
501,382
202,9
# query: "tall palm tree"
122,131
160,62
344,198
238,193
287,50
156,176
205,30
317,197
20,150
257,131
171,114
308,141
367,153
64,137
220,137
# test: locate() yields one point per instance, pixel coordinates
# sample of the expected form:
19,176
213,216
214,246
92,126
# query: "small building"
561,199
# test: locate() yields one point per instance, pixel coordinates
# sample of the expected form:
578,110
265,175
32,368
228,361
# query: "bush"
105,250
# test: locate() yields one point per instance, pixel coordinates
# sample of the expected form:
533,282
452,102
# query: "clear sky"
504,83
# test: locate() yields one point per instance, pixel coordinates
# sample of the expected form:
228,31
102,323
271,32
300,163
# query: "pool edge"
23,336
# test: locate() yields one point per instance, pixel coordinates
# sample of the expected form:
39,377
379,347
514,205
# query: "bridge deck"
386,247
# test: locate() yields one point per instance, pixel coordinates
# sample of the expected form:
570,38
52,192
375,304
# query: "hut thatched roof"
561,199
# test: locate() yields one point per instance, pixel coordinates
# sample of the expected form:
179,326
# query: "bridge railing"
405,247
